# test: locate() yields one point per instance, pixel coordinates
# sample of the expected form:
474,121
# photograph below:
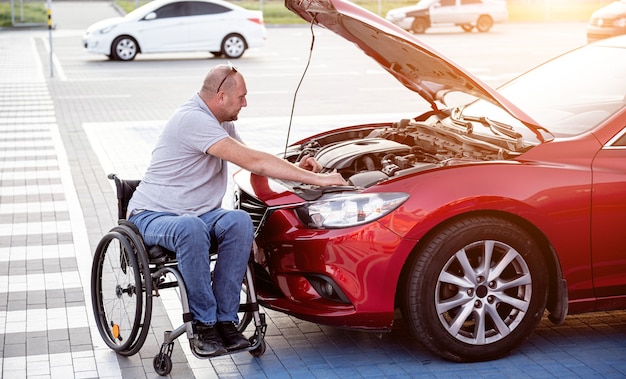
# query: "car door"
443,12
208,24
165,29
609,218
469,10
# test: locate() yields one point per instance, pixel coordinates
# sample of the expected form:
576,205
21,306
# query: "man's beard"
233,117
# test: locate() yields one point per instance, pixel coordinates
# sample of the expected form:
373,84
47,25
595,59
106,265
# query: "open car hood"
417,66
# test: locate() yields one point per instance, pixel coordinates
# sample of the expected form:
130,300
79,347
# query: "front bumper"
340,277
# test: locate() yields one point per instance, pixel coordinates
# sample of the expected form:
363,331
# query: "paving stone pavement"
56,203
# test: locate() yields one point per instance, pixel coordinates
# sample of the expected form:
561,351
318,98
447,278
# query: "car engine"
374,153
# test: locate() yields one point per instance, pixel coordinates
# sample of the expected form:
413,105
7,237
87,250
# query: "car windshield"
568,95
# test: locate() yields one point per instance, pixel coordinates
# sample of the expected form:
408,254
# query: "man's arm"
265,164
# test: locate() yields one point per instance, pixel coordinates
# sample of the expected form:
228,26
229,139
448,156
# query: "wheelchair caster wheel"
162,364
259,351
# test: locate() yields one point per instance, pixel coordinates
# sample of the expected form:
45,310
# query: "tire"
124,48
119,292
162,364
259,351
419,26
245,317
484,23
467,27
465,312
233,46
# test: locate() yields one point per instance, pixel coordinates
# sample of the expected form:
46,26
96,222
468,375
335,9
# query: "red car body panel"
531,189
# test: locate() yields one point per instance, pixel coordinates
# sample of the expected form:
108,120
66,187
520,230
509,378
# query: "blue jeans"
191,238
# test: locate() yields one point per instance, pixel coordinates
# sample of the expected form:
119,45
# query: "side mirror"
150,16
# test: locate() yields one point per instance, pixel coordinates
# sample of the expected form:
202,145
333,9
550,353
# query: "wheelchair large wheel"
121,289
245,316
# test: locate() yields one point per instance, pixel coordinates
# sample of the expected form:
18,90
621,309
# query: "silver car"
468,14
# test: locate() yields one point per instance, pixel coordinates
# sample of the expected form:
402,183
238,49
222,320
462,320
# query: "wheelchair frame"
126,275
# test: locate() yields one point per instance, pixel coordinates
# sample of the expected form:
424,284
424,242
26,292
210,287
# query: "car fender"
123,29
424,13
512,190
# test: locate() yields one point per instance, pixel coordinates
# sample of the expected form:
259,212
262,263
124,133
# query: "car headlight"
343,211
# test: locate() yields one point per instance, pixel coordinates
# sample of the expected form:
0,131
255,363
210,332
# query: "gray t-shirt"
182,178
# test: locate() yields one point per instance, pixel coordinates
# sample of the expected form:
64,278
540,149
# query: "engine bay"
370,154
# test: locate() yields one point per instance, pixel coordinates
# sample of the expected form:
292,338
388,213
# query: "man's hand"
332,179
310,163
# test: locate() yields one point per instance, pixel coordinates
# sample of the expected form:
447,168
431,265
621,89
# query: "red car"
472,219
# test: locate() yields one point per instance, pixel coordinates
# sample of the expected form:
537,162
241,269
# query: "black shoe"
157,254
208,341
231,336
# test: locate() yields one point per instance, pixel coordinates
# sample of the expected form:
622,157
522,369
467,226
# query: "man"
177,204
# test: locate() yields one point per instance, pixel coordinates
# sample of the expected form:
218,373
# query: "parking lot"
104,116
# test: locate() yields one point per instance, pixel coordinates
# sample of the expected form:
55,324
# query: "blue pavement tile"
368,371
323,371
252,371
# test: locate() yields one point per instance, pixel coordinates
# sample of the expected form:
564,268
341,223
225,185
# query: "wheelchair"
125,277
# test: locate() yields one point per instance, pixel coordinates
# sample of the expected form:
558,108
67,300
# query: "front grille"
253,206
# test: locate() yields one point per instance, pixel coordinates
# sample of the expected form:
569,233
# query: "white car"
467,14
164,26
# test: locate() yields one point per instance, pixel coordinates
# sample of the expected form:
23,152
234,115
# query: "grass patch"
25,13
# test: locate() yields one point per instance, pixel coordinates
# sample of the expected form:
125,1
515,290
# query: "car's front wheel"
419,26
233,46
484,23
124,48
476,290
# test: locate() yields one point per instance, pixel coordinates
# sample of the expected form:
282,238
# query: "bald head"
219,78
224,92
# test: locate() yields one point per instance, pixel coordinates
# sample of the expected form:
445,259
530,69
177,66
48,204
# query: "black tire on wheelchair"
162,364
260,350
146,293
118,298
245,317
244,320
